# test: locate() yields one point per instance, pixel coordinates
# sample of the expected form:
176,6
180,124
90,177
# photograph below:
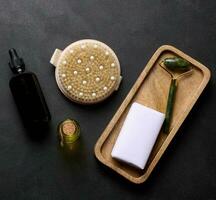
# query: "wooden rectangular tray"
151,89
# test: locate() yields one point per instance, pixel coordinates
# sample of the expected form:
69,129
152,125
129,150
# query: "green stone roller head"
177,64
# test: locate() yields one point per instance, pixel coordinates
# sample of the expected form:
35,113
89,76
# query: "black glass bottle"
27,94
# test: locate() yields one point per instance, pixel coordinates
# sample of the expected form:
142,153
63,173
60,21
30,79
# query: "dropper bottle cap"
16,63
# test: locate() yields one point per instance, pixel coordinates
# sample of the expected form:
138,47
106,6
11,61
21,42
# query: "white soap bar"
138,135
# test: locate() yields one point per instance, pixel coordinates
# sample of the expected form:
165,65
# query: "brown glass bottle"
27,94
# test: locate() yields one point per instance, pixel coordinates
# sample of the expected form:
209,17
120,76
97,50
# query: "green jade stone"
177,64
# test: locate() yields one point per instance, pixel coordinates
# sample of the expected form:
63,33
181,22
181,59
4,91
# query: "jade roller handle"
170,104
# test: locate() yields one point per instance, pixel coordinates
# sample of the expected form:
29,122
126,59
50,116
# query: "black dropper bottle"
27,94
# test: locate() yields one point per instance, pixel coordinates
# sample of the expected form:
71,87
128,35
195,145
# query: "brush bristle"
88,71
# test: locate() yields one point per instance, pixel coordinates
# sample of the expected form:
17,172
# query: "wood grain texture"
151,89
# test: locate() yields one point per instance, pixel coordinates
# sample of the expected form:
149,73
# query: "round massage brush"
87,71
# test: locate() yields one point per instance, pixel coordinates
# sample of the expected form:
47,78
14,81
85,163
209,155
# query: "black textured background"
134,29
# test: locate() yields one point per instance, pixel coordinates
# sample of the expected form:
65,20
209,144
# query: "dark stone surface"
134,29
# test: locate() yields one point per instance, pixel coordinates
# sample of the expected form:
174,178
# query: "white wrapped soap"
138,135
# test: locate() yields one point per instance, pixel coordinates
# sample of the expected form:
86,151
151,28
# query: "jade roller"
176,67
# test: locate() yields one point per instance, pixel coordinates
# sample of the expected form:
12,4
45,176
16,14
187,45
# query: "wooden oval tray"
151,89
